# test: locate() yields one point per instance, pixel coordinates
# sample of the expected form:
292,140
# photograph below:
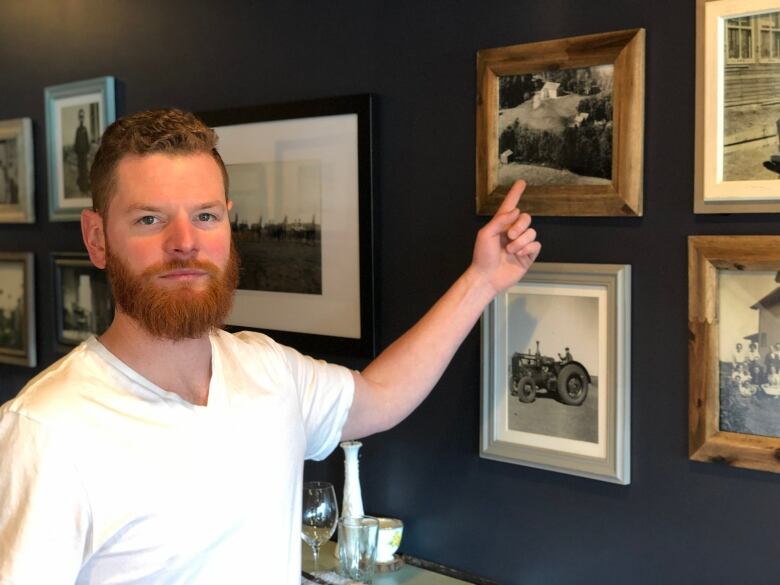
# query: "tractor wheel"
514,385
526,389
572,384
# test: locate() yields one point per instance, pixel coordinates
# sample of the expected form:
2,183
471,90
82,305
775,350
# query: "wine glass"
320,515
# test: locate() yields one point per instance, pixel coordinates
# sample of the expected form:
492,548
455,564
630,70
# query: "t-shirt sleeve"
325,393
44,512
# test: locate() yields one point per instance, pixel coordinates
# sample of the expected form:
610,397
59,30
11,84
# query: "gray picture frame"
606,459
24,316
59,99
21,184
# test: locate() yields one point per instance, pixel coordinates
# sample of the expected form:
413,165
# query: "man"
81,148
738,357
5,187
753,362
169,451
772,359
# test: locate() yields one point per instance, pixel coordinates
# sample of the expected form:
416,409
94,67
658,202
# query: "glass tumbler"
357,547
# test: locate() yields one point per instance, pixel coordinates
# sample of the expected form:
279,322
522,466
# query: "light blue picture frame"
81,110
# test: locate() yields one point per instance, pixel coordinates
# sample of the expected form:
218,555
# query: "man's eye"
206,217
148,220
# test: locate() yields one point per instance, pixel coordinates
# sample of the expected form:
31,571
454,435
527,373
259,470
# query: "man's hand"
506,247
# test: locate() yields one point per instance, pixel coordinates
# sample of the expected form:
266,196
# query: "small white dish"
390,532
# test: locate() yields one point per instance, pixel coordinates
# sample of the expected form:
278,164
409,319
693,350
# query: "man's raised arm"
398,380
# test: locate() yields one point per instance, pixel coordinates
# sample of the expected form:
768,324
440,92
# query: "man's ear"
94,237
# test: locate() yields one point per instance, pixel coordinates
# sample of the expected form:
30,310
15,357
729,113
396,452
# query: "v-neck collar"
216,395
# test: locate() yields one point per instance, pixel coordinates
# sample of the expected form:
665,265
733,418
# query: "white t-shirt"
107,478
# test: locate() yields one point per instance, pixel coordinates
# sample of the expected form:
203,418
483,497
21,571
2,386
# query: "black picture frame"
102,306
251,122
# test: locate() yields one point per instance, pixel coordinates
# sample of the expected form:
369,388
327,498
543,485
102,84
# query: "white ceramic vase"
352,505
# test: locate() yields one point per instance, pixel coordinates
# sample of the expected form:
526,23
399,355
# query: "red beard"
179,312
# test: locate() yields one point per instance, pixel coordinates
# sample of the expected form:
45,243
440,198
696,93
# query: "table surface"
406,575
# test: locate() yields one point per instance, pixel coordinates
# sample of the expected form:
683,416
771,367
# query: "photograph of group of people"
749,350
751,373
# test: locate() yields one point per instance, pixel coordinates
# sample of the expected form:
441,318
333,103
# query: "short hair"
163,131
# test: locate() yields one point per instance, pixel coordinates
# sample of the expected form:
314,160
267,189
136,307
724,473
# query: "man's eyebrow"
151,208
143,207
215,203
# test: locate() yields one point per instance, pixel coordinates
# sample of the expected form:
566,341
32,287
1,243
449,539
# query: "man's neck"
182,367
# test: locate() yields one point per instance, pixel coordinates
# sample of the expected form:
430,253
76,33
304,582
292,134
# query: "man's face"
168,244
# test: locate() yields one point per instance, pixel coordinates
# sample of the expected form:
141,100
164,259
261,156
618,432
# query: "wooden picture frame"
721,399
17,171
563,178
83,301
77,114
570,413
737,80
317,155
17,309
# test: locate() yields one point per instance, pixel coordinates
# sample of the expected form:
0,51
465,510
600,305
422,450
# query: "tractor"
566,377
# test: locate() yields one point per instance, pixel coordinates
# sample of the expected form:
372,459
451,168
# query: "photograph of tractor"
533,372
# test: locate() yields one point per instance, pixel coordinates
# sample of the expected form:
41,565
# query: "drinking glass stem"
315,552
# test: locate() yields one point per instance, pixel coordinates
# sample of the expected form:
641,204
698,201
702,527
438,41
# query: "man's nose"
181,237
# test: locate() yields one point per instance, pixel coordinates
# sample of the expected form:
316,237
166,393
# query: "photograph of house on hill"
555,127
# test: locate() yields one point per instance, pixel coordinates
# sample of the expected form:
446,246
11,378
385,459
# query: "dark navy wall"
678,522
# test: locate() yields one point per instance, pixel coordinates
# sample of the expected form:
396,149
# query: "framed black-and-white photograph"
17,184
17,309
84,303
737,110
749,351
556,371
300,183
566,116
77,114
734,350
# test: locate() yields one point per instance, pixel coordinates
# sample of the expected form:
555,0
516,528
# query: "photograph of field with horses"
276,224
555,127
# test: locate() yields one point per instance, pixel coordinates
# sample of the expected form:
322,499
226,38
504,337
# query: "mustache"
160,267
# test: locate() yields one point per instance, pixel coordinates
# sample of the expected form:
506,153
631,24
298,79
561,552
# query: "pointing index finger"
512,198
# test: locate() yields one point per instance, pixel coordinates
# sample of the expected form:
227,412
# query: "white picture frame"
731,145
17,171
586,431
